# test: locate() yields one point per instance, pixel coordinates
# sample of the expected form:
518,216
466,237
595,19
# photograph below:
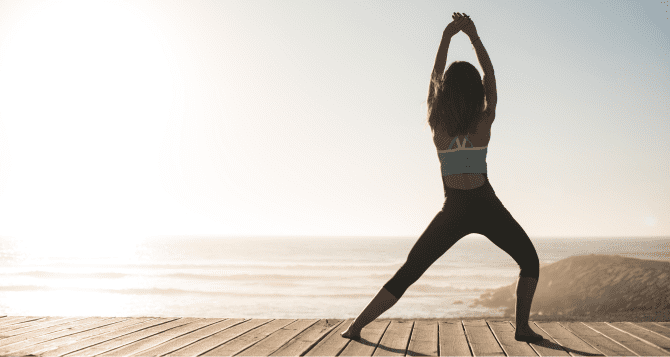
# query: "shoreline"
631,316
643,316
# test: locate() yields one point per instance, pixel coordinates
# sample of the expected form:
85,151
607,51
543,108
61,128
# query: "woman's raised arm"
489,80
441,58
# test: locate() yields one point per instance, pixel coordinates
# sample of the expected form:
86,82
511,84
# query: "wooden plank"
48,325
6,343
424,339
7,319
278,338
153,341
333,343
35,343
504,333
452,340
5,329
481,339
307,339
370,337
568,340
632,343
650,337
652,326
19,320
121,341
54,325
597,340
248,339
203,345
185,340
395,339
56,339
97,339
50,336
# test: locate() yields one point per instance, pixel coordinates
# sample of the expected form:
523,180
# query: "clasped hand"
459,23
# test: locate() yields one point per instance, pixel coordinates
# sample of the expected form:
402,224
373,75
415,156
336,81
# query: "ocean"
267,277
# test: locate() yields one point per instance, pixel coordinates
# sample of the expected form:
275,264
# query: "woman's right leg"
504,231
442,233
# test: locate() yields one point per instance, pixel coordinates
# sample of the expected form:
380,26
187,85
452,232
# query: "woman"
461,110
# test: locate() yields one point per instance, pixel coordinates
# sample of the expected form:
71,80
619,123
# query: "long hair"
458,99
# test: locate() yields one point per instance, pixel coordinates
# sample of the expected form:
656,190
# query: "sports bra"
462,159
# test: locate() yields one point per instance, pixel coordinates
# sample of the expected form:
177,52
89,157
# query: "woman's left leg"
383,301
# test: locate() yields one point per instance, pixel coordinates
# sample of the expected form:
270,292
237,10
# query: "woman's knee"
398,285
394,289
407,275
530,267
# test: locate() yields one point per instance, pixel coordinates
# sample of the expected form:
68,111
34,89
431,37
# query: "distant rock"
593,284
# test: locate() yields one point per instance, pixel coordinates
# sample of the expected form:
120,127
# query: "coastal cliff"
592,285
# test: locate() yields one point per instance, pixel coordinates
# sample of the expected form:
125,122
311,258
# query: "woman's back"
479,138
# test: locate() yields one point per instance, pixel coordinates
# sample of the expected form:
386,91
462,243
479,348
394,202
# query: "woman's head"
458,99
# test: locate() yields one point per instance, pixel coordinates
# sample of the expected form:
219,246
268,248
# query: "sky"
121,119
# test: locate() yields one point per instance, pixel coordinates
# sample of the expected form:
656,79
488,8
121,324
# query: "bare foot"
526,334
351,334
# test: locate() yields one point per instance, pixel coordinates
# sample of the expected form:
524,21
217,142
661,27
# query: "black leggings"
466,211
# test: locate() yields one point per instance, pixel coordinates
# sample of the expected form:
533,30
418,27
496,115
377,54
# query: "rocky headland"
594,287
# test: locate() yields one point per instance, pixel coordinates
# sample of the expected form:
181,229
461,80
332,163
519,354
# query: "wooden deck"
157,336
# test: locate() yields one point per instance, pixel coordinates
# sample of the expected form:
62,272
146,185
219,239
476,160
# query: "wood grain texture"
157,339
452,339
481,339
395,339
126,339
278,338
643,334
13,320
596,339
190,338
210,342
424,339
333,343
29,332
5,329
58,339
570,342
307,339
151,336
653,326
631,342
246,340
37,342
102,338
504,333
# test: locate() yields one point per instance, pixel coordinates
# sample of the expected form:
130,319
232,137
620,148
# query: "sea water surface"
270,277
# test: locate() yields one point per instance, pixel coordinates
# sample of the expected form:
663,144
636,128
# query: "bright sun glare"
87,97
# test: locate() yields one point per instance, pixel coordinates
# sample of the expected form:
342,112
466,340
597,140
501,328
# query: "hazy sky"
126,118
